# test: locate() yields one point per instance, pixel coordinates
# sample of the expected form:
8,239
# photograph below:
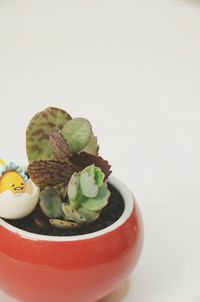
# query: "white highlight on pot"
19,205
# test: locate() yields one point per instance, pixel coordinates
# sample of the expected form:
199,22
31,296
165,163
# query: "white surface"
133,69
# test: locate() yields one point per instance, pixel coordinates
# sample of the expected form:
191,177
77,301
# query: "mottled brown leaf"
50,172
84,159
58,144
37,132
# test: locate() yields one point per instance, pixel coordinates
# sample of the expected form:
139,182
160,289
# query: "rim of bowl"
129,202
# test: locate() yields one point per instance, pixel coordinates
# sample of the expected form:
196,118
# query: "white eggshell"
16,206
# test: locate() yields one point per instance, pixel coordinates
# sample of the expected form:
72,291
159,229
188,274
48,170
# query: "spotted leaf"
37,133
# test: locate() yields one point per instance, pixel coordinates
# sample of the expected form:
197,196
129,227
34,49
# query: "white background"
133,69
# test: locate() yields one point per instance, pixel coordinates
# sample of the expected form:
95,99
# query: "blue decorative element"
13,167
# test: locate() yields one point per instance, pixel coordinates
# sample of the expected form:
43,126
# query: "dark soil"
109,215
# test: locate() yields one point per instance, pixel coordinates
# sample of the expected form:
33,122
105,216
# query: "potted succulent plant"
69,230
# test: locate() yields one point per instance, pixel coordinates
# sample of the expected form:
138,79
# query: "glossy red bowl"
85,268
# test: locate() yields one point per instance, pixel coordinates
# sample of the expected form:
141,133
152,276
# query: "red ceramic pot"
84,268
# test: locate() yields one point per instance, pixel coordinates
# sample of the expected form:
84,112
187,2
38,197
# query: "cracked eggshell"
20,205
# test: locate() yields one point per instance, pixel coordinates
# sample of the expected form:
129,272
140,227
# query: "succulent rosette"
81,201
88,193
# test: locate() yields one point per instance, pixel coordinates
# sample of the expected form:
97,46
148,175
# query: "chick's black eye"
13,185
22,184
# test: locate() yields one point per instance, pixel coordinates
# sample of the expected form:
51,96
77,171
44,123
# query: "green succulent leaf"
74,192
99,202
51,203
91,178
92,147
73,187
88,185
77,132
90,216
87,192
37,133
99,176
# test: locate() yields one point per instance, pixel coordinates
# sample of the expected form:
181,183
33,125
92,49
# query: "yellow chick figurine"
12,181
12,178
